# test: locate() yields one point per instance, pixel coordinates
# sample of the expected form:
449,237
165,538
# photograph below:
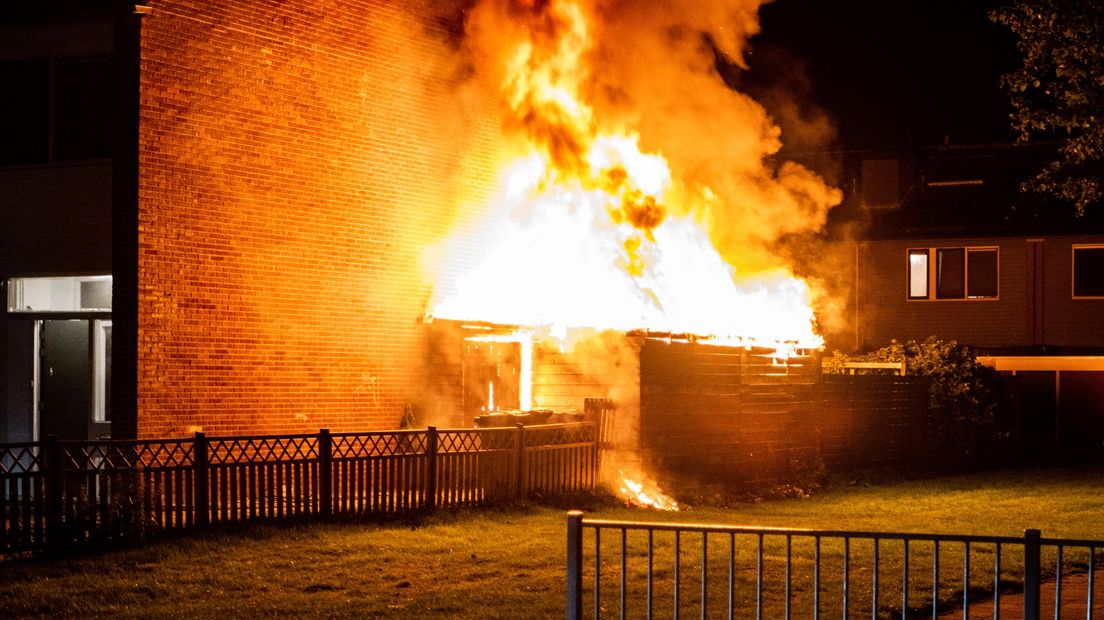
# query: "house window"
55,110
82,109
950,276
60,294
101,371
918,274
981,273
25,112
1088,271
958,273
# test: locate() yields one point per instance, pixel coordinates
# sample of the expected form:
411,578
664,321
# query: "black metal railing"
637,568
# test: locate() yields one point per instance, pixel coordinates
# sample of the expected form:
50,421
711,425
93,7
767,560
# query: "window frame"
932,278
58,146
926,253
101,371
944,283
966,275
1073,268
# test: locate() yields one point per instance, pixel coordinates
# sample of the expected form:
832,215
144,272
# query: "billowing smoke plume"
650,67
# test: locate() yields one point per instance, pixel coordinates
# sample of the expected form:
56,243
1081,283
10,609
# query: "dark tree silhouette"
1058,93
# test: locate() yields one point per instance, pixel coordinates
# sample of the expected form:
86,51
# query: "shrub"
964,395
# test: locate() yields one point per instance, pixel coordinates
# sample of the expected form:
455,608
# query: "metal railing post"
431,468
200,459
574,565
325,472
1031,574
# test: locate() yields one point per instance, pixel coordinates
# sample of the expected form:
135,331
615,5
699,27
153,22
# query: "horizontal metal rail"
799,572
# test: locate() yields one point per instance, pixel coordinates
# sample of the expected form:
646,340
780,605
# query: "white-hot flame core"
557,259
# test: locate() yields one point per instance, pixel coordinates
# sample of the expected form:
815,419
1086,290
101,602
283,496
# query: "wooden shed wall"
689,414
706,421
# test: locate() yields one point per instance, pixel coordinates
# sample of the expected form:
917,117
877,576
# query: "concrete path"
1075,589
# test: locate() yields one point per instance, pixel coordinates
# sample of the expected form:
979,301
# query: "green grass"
510,563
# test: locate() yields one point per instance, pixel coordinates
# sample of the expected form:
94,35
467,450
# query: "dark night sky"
890,75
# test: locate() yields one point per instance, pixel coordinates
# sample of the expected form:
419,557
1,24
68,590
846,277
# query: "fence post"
521,491
596,462
574,565
201,460
1031,574
431,468
325,472
53,482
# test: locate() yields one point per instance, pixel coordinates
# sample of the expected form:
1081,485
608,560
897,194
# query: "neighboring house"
212,213
952,249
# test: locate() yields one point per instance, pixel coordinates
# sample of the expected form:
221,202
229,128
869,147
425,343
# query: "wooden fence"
716,430
61,494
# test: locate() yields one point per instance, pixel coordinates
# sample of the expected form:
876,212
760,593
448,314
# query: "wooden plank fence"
56,494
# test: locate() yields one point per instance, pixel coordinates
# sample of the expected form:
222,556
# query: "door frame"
36,319
36,379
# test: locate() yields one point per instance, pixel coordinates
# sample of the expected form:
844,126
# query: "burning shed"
667,403
627,254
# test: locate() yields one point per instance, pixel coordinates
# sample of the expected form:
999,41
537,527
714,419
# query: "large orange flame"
591,231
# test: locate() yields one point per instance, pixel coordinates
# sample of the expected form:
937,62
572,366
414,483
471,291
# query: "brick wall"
886,313
1035,304
1067,321
296,158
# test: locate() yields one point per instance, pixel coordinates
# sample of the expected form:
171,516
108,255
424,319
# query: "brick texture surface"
296,159
1009,320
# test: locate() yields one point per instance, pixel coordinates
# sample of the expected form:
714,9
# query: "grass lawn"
506,563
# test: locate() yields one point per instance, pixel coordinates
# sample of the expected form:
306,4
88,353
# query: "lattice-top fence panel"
237,450
558,435
476,440
123,455
70,493
360,445
21,458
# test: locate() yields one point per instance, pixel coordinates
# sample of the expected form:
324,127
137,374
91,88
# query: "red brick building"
949,247
216,222
998,293
945,244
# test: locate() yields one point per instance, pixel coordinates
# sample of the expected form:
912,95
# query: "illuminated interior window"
918,274
63,294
